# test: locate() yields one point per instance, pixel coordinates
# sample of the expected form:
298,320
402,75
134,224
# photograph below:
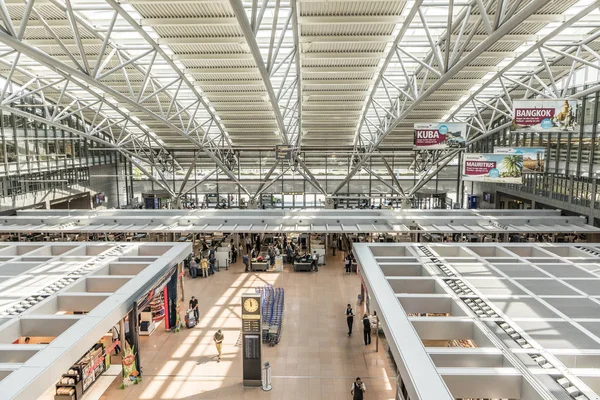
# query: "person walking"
218,339
347,264
349,318
245,261
367,329
211,264
115,338
315,261
248,243
358,389
233,254
194,307
289,253
193,268
204,267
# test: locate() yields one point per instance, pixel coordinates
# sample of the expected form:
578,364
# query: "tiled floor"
314,360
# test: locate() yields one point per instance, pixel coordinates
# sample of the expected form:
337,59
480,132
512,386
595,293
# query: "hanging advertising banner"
545,115
440,135
499,168
533,157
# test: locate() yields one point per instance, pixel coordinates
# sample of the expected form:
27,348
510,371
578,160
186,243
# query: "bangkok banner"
440,135
533,157
546,115
500,168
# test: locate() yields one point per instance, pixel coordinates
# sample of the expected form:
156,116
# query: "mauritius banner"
440,135
533,157
500,168
546,115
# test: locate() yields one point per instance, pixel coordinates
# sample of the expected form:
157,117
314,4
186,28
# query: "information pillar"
252,339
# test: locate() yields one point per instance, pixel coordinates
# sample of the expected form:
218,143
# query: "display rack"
152,315
147,324
82,375
70,385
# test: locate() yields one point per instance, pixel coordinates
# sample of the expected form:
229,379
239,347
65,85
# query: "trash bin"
266,377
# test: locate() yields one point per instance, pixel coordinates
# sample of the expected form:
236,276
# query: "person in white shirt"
358,389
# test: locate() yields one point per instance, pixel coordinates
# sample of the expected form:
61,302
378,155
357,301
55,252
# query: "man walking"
193,268
245,261
349,319
248,243
367,329
194,307
218,339
347,264
358,389
315,261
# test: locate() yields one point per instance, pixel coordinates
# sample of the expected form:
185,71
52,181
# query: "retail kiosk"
65,297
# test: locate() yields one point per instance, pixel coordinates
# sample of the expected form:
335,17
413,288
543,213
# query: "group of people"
204,263
369,323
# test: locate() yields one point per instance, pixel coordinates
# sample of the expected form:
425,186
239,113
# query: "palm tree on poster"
513,165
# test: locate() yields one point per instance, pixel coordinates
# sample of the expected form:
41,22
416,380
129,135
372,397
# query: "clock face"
251,305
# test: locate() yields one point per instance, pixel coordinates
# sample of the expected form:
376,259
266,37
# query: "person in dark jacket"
358,389
367,329
349,318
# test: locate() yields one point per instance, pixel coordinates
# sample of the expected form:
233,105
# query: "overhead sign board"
283,152
533,157
499,168
545,115
440,135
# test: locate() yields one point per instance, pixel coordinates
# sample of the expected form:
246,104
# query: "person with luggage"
204,267
358,389
218,339
193,268
366,329
349,318
194,307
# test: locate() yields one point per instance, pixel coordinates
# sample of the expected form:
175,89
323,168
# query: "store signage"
440,135
546,115
501,168
283,152
533,157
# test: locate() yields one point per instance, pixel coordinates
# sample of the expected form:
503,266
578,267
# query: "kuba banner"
440,135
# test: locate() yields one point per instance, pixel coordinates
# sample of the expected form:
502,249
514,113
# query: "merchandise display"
80,377
152,315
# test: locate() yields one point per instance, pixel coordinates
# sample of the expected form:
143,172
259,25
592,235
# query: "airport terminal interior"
300,199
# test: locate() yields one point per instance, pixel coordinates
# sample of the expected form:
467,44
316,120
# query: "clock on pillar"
252,340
